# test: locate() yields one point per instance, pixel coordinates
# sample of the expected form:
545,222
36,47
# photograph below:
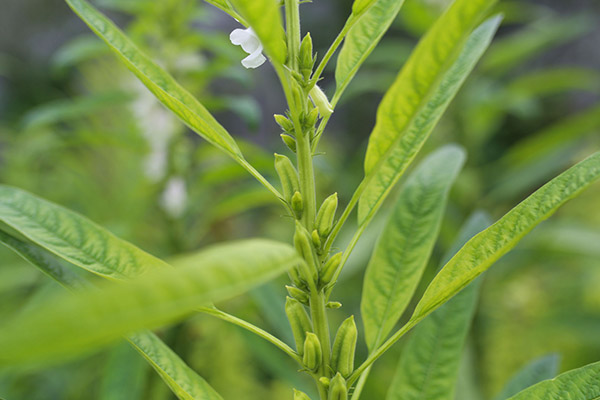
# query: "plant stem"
292,25
321,326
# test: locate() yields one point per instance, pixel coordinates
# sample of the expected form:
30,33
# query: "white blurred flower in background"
174,197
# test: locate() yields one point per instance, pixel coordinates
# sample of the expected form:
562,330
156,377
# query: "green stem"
321,326
252,328
361,384
292,25
336,43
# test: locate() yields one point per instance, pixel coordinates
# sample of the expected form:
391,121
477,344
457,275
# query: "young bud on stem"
294,275
299,322
333,305
344,347
298,294
284,123
337,388
328,271
312,352
321,101
316,239
304,246
289,141
326,215
297,205
287,175
305,58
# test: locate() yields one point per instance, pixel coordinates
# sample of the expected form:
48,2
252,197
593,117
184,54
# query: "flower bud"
311,119
326,215
312,352
325,381
284,123
303,245
297,205
294,275
289,141
305,58
287,175
328,271
316,239
298,395
337,388
333,305
344,346
321,101
299,322
298,294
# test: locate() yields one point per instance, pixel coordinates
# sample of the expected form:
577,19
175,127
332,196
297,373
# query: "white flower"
251,45
174,198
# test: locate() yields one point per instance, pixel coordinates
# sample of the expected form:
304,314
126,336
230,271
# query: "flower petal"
254,60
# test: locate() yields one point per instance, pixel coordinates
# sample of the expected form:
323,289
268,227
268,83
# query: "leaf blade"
539,369
158,81
480,252
429,363
73,237
66,325
405,245
421,93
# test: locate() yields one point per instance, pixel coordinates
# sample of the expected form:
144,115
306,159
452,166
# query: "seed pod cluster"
344,347
312,352
299,321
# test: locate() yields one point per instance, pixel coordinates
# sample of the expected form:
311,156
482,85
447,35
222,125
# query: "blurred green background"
78,129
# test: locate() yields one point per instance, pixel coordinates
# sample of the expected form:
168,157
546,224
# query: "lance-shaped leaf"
265,19
415,102
536,371
488,246
429,363
73,237
577,384
70,324
405,245
363,37
160,83
180,378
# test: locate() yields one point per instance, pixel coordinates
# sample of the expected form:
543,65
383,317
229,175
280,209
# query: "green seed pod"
311,119
297,205
316,239
287,175
337,388
321,101
294,275
289,141
298,395
344,346
303,245
326,215
298,294
312,352
299,322
333,305
328,270
305,58
284,123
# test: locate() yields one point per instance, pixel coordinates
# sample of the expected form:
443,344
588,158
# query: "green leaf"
124,374
577,384
265,19
67,324
412,106
405,245
160,83
538,370
430,361
488,246
180,378
73,237
363,37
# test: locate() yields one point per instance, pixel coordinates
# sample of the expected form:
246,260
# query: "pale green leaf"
363,37
72,237
578,384
488,246
180,378
160,83
430,361
413,105
538,370
405,245
67,324
124,375
265,19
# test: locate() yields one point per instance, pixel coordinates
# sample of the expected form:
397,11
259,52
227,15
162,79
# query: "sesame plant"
142,292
